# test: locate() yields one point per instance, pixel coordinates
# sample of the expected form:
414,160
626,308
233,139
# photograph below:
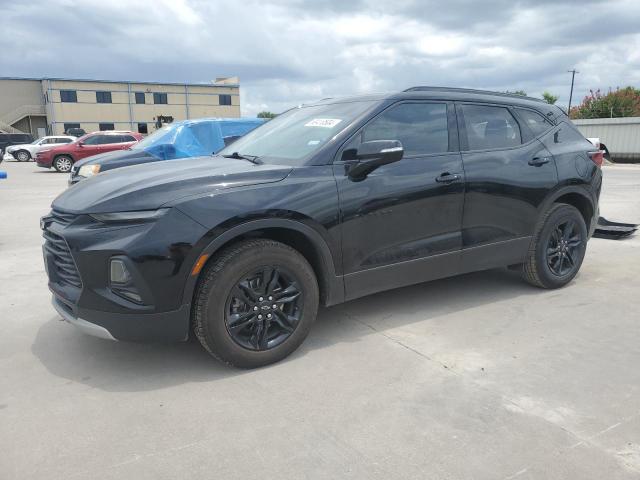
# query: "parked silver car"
28,151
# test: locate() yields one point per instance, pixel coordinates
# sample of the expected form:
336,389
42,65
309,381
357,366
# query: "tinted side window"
536,122
420,127
127,138
106,139
95,140
490,127
64,140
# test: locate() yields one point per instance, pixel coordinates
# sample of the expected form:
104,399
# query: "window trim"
464,141
454,145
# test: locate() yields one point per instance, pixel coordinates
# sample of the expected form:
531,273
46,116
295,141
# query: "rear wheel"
557,248
23,156
255,303
63,163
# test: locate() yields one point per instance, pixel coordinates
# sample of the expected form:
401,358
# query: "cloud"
297,51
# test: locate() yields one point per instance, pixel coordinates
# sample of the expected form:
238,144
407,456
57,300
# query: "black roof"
450,93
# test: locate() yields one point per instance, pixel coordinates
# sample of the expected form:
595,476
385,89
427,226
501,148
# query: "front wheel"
63,164
557,248
23,156
255,303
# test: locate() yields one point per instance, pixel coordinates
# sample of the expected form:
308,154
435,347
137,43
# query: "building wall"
21,99
16,93
183,101
620,135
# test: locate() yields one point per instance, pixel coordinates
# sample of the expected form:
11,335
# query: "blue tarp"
195,138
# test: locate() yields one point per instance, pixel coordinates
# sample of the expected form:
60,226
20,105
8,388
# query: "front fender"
334,286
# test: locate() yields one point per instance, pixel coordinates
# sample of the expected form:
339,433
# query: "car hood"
150,186
116,156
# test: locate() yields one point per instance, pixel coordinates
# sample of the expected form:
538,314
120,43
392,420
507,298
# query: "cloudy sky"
288,52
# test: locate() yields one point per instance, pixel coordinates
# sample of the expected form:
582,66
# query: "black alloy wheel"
564,247
557,248
255,303
264,308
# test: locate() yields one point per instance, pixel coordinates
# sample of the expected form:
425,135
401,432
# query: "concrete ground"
479,376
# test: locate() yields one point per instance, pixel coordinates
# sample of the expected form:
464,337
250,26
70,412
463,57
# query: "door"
90,146
508,173
405,213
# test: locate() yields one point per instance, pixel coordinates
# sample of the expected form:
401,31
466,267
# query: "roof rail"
421,88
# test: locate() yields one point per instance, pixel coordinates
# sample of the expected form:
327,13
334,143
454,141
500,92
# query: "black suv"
326,203
7,139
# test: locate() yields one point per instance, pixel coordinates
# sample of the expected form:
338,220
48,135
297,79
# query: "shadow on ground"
122,366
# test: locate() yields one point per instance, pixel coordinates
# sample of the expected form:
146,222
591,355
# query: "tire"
557,248
22,156
228,303
63,163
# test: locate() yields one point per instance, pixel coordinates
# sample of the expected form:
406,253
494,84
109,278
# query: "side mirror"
81,144
374,154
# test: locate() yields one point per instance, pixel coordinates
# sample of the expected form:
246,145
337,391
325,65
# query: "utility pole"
573,77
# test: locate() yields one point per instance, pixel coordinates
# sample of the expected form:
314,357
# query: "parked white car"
28,151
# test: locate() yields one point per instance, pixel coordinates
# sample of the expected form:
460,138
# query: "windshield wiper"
252,158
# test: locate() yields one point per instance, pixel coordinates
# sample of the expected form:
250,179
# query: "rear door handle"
538,161
447,177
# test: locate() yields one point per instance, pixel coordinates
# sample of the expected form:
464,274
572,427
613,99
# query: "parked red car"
64,156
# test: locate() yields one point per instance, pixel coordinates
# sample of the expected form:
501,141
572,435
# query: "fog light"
130,295
119,273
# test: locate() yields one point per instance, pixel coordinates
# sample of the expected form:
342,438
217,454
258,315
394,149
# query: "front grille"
65,270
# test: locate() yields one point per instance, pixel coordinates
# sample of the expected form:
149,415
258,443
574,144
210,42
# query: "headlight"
89,170
139,216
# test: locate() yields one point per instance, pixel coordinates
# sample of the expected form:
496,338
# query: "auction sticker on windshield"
323,122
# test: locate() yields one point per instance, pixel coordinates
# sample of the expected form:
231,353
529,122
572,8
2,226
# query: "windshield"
291,138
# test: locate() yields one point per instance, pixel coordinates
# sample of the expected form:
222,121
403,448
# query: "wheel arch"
576,197
63,154
295,234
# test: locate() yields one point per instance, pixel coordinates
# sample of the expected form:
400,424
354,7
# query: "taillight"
597,157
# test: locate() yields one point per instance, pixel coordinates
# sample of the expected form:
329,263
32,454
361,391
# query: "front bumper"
85,327
159,254
151,327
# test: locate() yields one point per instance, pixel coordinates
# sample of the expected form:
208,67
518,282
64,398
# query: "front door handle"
447,177
538,161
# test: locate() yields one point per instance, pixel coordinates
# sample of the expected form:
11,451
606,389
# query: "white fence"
620,135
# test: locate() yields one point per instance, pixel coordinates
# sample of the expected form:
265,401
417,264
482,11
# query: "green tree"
266,114
517,92
549,97
622,102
